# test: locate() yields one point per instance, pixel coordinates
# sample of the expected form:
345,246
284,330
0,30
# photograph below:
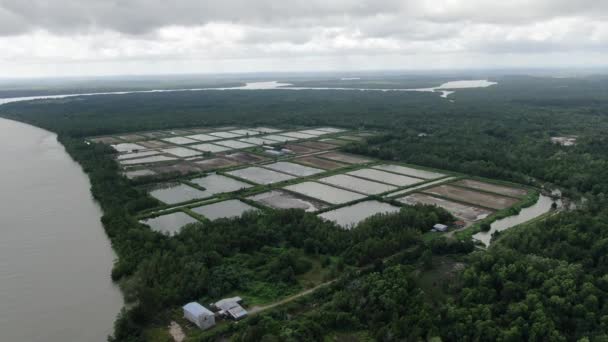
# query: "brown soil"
319,163
473,197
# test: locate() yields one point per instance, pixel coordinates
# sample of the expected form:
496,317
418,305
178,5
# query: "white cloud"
39,37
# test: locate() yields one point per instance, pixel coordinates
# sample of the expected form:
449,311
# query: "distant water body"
55,259
445,89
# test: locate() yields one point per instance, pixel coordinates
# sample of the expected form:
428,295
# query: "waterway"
55,259
444,89
542,206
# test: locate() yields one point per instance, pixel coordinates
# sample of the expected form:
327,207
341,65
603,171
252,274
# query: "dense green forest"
542,281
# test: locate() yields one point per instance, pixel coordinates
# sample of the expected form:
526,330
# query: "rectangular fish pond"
169,223
224,209
348,217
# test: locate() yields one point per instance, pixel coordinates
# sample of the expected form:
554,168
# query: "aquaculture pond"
347,217
224,209
175,193
278,199
324,192
170,223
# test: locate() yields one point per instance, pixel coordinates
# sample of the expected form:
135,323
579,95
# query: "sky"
42,38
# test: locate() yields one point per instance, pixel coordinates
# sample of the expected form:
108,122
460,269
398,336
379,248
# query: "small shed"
460,224
440,227
199,315
231,308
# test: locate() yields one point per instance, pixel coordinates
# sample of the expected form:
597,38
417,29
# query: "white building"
199,315
440,227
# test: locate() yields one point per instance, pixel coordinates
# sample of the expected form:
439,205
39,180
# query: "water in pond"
215,184
386,177
293,169
409,171
147,160
230,208
55,259
279,199
363,186
176,193
347,217
542,206
170,223
326,193
259,175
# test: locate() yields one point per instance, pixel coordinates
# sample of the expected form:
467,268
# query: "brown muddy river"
55,259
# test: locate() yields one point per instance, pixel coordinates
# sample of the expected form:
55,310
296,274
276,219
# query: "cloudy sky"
110,37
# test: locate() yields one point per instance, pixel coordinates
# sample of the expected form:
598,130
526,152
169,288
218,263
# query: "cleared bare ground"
498,189
300,149
179,167
320,163
215,163
472,196
465,212
245,157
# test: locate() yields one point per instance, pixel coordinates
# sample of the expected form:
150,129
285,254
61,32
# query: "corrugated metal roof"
228,303
197,309
237,312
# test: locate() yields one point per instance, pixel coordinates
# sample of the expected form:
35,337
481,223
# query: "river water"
55,259
444,89
542,206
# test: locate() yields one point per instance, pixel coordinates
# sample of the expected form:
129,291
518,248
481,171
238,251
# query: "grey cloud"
141,16
58,31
